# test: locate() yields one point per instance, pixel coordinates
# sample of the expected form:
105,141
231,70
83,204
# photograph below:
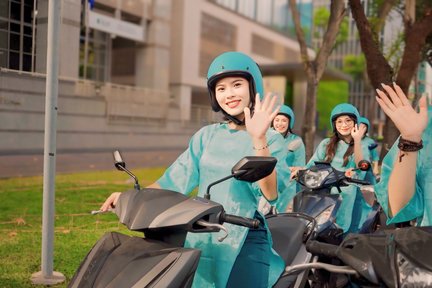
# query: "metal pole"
86,40
47,276
33,35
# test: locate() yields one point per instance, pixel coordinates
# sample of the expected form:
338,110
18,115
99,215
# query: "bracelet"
261,148
409,146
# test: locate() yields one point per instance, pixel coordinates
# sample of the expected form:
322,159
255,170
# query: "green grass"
76,231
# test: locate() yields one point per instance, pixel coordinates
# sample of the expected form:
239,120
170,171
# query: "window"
17,34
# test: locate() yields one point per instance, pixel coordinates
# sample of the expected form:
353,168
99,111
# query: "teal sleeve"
319,154
300,155
413,209
183,175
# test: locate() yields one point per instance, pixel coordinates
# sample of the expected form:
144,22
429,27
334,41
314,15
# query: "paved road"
32,165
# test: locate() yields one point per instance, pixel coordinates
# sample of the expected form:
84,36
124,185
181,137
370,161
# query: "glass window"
4,40
231,4
264,12
4,9
14,41
247,8
14,60
3,58
15,12
14,53
280,14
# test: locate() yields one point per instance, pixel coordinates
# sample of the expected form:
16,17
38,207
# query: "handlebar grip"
358,181
316,247
241,221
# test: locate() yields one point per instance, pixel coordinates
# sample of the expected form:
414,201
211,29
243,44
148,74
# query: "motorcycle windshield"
159,208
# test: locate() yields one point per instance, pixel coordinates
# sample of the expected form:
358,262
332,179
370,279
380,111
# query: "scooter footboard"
118,260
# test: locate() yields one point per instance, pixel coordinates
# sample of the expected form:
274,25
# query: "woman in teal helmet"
372,150
284,123
343,150
405,188
246,257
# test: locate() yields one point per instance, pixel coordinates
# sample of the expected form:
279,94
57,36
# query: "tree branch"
337,14
376,63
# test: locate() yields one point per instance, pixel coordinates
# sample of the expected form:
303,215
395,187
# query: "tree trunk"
315,69
378,69
309,127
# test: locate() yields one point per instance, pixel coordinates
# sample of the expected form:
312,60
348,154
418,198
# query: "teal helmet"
288,112
231,64
365,121
344,109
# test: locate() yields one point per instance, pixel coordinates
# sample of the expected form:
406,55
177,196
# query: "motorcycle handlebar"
316,247
357,181
241,221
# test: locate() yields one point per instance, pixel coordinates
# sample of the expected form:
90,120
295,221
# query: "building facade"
132,72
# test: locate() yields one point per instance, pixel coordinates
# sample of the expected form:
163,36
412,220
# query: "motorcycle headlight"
325,215
314,179
411,275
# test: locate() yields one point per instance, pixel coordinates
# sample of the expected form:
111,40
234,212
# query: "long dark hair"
332,146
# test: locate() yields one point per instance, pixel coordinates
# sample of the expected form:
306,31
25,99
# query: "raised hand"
263,115
395,104
358,132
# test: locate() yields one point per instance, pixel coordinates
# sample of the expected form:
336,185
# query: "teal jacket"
419,207
298,156
353,210
294,158
212,153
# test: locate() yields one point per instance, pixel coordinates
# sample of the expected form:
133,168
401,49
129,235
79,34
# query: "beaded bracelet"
261,148
409,146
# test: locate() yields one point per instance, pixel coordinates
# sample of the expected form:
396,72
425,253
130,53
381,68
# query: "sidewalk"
32,165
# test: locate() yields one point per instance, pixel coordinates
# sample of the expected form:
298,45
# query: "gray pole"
47,276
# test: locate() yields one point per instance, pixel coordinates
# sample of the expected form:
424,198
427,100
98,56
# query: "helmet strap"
233,119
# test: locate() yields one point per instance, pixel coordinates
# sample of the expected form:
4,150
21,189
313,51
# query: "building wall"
165,100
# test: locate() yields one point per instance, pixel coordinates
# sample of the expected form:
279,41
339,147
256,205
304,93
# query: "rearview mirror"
253,168
118,160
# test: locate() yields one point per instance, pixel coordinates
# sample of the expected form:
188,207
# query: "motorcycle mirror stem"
249,169
121,165
234,174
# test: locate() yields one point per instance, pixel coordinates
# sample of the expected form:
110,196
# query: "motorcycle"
317,201
165,217
387,258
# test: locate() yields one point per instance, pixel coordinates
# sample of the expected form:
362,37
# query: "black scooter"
165,217
387,258
317,201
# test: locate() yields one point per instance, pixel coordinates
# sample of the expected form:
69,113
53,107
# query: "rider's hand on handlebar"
294,170
349,173
110,202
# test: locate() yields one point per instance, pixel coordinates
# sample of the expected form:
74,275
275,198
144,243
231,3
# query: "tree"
417,19
314,69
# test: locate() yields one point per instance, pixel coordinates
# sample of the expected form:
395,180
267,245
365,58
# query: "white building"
134,78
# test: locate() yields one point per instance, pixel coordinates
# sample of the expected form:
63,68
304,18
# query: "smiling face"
281,123
344,124
232,95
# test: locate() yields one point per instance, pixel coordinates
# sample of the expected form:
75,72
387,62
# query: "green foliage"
329,95
76,231
354,65
321,17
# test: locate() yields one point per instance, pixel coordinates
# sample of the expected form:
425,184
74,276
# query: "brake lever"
214,225
94,212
